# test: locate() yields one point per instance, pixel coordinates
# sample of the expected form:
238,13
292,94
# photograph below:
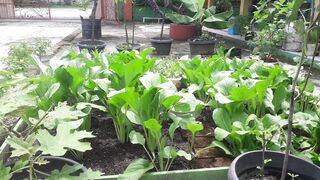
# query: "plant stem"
39,122
133,28
31,169
93,18
263,153
10,130
290,117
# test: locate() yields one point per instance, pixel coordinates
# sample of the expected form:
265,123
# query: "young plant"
194,128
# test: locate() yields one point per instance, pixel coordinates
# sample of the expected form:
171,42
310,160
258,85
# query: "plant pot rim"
134,46
99,43
176,24
188,174
192,41
83,168
164,40
96,19
232,170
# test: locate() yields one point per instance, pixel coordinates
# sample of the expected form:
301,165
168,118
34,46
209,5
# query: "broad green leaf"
133,117
5,172
242,93
269,120
103,84
53,89
220,134
179,19
175,125
151,79
295,10
136,138
194,127
222,99
83,105
170,152
61,113
279,97
261,88
67,173
170,101
222,119
268,99
16,101
20,164
90,174
182,153
64,139
136,169
193,5
154,126
23,147
221,146
226,85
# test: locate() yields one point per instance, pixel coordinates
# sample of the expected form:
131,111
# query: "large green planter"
193,174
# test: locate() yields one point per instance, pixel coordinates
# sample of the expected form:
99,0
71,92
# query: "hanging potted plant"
201,44
161,44
91,28
128,46
275,165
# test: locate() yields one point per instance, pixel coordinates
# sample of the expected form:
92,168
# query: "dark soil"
111,157
269,174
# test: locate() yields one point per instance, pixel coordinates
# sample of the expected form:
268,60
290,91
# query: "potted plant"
128,46
202,44
161,44
276,164
95,32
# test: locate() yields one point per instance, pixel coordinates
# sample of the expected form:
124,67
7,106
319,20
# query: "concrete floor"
13,32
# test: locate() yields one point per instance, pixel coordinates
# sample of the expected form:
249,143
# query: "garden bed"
111,157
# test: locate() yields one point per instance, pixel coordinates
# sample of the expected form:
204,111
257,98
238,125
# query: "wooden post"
316,6
127,10
244,7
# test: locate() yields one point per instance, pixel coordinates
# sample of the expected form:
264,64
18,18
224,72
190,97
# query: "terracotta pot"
182,32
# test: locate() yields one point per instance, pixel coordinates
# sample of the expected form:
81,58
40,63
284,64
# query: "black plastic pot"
245,166
55,163
86,25
205,47
92,45
162,46
125,47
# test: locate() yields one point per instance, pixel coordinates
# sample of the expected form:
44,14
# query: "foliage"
270,20
21,55
167,67
241,23
248,98
207,17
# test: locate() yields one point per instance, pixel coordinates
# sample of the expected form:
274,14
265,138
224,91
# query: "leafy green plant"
270,19
21,56
201,17
36,141
194,128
